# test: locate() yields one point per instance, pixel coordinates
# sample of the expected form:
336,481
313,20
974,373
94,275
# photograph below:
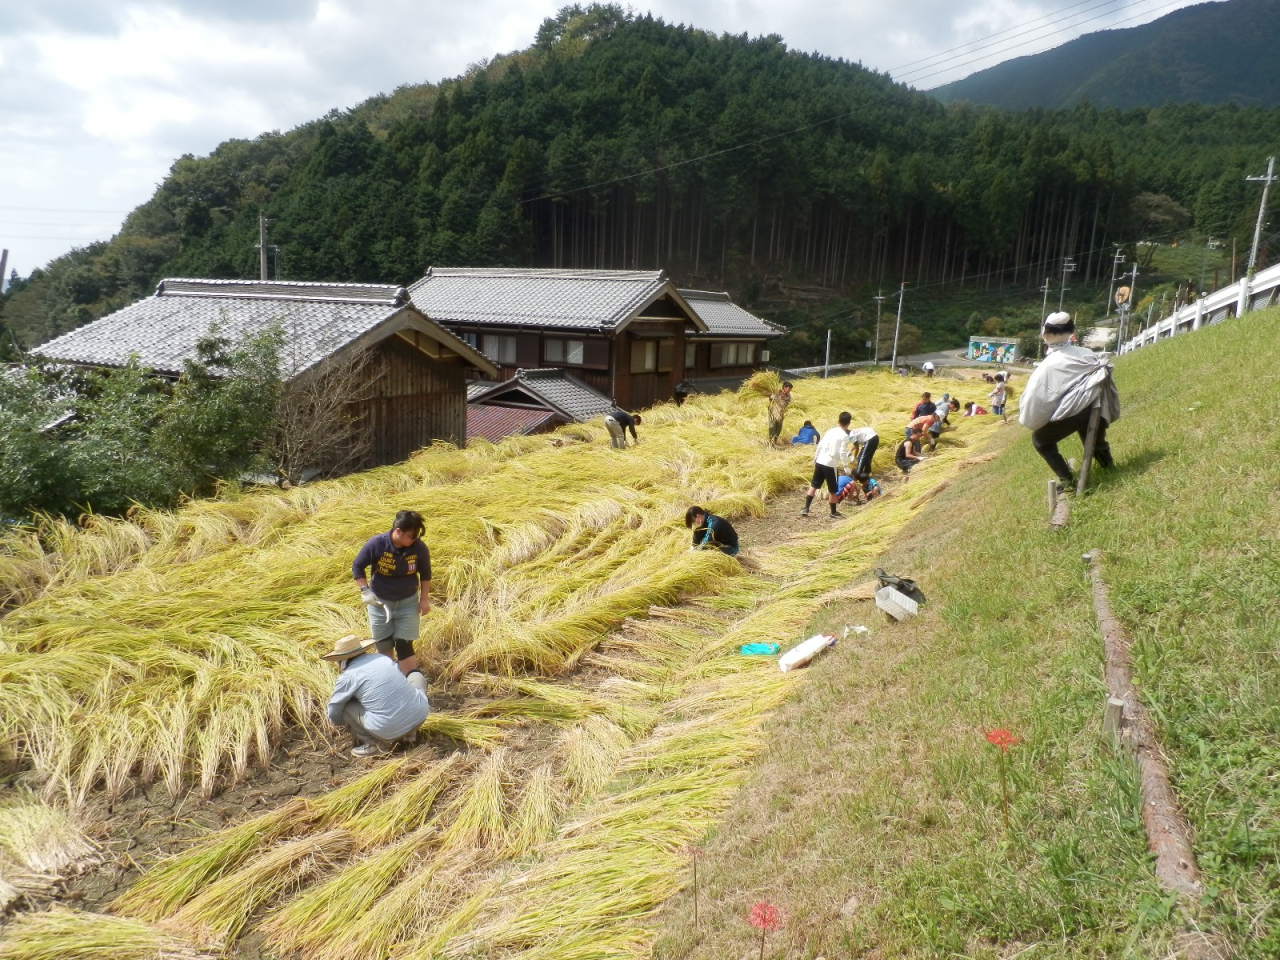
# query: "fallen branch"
1168,833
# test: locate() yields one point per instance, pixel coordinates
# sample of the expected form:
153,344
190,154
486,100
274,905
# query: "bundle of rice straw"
762,383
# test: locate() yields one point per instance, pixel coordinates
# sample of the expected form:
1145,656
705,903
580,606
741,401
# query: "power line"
58,209
957,63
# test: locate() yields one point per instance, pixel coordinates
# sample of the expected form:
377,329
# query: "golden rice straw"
62,934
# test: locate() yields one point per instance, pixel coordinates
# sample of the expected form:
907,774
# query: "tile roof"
557,389
725,318
494,423
500,296
319,319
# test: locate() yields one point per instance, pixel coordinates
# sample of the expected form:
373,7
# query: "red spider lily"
1002,738
764,917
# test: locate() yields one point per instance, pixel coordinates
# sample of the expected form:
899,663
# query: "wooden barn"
621,332
420,391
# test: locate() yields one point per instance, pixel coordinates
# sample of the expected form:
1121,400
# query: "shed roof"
552,389
601,300
494,423
724,318
319,320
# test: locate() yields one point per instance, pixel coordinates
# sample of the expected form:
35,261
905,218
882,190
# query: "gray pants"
353,716
617,435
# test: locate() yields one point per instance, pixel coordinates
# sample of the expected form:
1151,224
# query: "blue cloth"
392,706
842,483
806,435
396,571
716,532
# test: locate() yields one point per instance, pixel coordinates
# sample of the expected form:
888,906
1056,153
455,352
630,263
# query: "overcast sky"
98,97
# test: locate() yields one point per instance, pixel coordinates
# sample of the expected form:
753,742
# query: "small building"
533,401
420,394
734,345
620,332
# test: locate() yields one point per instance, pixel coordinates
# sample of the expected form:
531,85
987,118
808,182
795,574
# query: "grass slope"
874,820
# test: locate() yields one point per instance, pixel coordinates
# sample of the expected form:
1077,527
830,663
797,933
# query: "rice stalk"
321,914
43,839
219,912
409,807
536,816
477,816
62,934
175,881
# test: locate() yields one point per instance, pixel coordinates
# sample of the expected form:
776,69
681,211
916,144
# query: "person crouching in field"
711,532
373,699
908,455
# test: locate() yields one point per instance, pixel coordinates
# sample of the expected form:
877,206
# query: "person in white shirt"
824,464
927,367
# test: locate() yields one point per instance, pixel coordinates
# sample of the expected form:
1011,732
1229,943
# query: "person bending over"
618,422
711,532
372,699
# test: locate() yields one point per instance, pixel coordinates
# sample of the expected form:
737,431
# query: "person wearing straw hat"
1059,396
373,699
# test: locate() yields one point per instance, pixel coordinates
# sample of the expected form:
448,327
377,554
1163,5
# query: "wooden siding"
418,400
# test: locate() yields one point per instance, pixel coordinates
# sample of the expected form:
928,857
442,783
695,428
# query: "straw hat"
347,647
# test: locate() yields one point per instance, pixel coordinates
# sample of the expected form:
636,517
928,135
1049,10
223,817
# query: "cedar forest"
796,181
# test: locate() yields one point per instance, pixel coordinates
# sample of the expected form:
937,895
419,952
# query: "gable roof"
600,300
552,389
724,318
318,319
495,423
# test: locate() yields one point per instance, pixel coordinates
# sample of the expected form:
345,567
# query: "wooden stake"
1090,440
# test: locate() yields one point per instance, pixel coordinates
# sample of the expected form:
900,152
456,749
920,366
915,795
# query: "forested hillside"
621,141
1212,53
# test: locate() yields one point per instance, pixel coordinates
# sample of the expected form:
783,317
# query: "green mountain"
798,182
1211,53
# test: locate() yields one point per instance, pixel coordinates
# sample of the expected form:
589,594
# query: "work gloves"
369,598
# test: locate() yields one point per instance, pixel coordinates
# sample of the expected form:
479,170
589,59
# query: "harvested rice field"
161,693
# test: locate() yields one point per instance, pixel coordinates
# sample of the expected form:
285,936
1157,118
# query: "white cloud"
102,95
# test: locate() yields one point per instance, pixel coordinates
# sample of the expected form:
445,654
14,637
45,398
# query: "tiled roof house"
621,332
530,402
421,394
734,345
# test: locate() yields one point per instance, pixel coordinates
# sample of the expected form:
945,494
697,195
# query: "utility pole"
262,244
1044,314
1115,262
1242,304
826,367
879,298
1068,266
4,263
1131,301
902,294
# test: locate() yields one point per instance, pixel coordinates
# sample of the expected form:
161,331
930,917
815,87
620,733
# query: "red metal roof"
494,423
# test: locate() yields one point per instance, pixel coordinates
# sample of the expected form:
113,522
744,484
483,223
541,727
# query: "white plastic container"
805,651
896,604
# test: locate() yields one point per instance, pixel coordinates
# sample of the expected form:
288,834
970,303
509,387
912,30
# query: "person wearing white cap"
373,699
1061,393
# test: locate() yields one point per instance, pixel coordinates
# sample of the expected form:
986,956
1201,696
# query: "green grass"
874,819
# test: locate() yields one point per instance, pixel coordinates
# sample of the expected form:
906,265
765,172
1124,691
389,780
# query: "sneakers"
370,750
836,515
804,512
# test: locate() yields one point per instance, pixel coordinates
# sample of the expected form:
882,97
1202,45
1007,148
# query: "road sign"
1122,296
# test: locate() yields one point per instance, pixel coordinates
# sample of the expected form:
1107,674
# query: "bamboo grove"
603,715
620,141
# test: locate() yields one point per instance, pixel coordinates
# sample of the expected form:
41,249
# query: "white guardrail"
1264,290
